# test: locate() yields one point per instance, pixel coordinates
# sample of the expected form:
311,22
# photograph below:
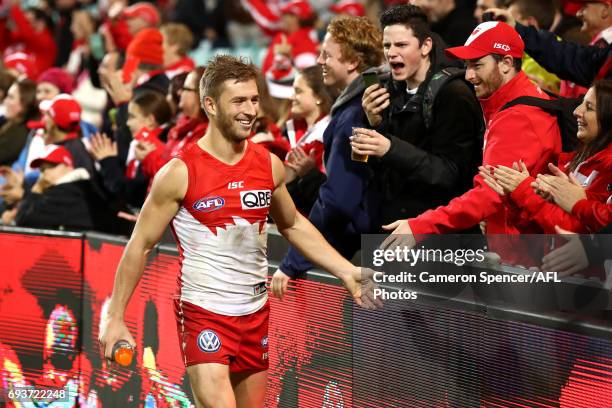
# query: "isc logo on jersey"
255,199
208,204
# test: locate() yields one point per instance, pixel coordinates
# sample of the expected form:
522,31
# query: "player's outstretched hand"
360,284
279,283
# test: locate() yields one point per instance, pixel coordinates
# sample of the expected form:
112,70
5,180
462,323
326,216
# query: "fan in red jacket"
520,132
30,32
590,168
295,47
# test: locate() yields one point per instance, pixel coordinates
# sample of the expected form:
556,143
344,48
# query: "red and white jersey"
221,231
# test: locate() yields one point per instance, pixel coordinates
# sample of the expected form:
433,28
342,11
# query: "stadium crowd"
398,116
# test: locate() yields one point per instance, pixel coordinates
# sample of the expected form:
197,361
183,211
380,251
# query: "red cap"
24,63
53,154
63,109
146,46
491,37
299,8
350,7
144,10
58,77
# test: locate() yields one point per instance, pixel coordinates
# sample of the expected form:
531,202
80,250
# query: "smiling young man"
492,55
344,208
217,194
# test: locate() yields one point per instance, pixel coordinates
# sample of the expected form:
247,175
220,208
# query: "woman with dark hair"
20,106
589,167
310,106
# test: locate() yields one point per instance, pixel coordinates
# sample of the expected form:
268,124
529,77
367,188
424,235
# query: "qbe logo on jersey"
208,341
255,199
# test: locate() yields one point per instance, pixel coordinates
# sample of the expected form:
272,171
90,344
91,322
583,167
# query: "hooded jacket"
427,167
520,132
345,207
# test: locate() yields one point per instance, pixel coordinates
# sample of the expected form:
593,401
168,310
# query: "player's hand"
401,235
113,330
369,142
360,284
279,283
567,259
375,99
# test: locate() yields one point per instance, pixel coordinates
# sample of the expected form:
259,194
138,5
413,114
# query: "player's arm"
169,187
306,238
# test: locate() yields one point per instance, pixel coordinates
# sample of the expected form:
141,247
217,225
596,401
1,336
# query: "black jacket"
74,206
581,64
425,168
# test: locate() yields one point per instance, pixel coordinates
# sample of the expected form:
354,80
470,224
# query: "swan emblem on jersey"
209,204
208,341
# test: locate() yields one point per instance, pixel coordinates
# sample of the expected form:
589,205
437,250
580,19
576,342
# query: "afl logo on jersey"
255,199
208,341
209,204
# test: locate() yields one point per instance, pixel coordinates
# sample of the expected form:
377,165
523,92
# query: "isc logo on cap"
255,199
500,46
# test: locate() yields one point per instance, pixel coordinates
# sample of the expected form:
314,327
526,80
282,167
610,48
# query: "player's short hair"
359,39
222,68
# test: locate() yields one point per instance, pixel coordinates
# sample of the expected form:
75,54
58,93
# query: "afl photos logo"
255,199
208,341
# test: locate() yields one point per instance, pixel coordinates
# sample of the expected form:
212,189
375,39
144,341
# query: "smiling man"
345,208
493,58
217,194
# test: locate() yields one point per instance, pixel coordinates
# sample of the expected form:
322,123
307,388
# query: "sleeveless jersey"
221,232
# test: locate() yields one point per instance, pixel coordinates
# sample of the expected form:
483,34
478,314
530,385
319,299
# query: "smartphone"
370,78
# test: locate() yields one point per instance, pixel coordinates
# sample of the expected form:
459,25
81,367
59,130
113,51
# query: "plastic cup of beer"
356,156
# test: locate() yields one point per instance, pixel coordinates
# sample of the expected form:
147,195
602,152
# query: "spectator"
304,170
190,127
63,35
596,17
452,22
420,165
539,14
61,120
63,196
590,166
53,82
571,61
344,208
31,33
521,131
148,117
178,40
141,15
20,106
143,70
294,47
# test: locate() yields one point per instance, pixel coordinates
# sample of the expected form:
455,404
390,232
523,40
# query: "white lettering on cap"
480,30
500,46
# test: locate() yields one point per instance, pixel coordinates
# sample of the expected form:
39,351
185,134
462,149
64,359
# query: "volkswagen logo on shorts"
208,341
264,342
